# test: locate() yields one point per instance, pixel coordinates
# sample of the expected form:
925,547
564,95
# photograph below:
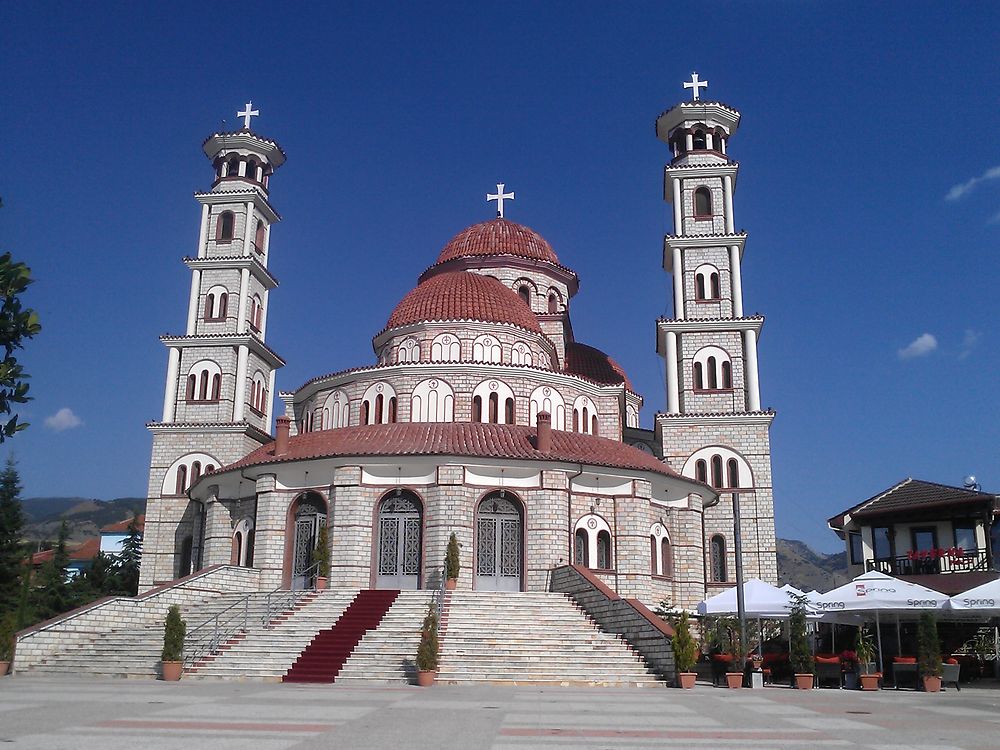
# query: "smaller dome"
498,237
594,364
461,295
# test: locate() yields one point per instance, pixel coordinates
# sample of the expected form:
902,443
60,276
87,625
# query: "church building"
480,413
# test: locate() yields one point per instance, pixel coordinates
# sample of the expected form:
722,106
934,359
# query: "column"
203,232
248,229
736,280
727,191
678,207
267,242
689,142
750,363
193,301
269,406
218,532
263,315
240,396
241,321
709,142
678,264
170,393
673,381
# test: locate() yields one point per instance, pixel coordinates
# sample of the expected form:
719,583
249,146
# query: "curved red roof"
594,364
461,295
456,439
498,237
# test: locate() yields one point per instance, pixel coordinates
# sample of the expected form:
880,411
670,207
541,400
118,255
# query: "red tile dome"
461,295
498,237
594,364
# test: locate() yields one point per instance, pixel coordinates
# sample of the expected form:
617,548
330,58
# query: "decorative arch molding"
520,354
592,542
378,405
631,416
487,348
446,347
432,400
204,381
721,467
336,410
399,534
546,398
499,542
258,393
216,303
242,548
712,369
185,471
409,350
307,514
661,556
493,402
707,284
585,416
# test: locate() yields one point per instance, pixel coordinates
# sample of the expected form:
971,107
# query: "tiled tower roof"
461,295
498,237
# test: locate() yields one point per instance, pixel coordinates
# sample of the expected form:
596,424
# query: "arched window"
432,401
584,411
494,395
715,366
716,288
494,407
203,386
576,420
377,398
700,141
713,378
256,317
553,303
392,410
508,411
446,348
192,383
252,170
520,354
365,415
727,375
409,351
699,286
216,386
702,201
593,425
378,409
580,548
699,381
717,471
701,470
603,550
486,348
224,226
545,398
525,294
181,484
666,558
733,473
717,559
477,409
706,283
258,239
209,306
233,166
195,472
336,411
653,548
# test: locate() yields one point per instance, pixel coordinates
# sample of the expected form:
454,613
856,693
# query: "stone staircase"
267,653
532,639
386,654
135,652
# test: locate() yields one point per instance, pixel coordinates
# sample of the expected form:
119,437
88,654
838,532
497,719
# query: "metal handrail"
439,594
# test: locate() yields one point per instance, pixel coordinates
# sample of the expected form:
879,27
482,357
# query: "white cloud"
64,419
969,341
920,346
958,191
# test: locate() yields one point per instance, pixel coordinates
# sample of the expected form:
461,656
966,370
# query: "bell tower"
217,404
714,428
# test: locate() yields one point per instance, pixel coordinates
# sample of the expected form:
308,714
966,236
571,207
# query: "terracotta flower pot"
870,681
932,684
804,681
321,582
450,584
734,679
686,679
426,679
172,670
4,666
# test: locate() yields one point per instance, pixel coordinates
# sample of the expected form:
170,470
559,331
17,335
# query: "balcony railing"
931,562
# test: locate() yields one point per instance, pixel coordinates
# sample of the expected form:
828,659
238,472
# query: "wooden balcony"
931,562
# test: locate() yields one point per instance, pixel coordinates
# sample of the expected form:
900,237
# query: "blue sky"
875,267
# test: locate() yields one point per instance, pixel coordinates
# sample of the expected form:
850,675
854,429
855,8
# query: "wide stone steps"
532,639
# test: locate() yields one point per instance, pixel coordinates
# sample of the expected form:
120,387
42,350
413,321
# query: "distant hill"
84,516
805,569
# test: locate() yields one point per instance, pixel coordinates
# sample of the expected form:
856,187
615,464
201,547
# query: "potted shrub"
321,557
685,652
172,656
800,655
427,651
865,650
7,630
929,652
452,566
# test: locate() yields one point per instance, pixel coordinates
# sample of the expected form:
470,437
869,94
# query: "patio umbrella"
761,600
984,598
877,592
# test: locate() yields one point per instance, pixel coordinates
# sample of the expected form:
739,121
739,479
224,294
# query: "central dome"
461,295
498,237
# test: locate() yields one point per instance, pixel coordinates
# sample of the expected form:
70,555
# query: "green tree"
53,595
928,646
12,553
127,573
452,564
17,324
800,655
685,648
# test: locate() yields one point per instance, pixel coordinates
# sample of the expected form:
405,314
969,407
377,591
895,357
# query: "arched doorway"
306,517
399,541
498,543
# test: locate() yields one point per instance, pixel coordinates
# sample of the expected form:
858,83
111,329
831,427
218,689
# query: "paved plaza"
77,714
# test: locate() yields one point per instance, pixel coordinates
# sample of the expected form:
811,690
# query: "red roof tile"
913,495
470,439
122,526
461,295
498,237
594,364
86,550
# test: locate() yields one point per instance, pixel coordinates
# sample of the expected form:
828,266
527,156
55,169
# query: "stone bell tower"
714,428
217,405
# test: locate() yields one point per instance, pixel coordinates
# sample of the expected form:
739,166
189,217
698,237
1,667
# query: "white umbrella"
877,592
983,598
761,600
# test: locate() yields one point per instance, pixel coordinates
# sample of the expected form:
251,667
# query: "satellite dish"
970,482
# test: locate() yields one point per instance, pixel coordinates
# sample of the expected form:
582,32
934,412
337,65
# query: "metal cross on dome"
695,84
249,112
500,196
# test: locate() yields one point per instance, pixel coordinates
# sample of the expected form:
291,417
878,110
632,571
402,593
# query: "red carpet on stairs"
324,657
